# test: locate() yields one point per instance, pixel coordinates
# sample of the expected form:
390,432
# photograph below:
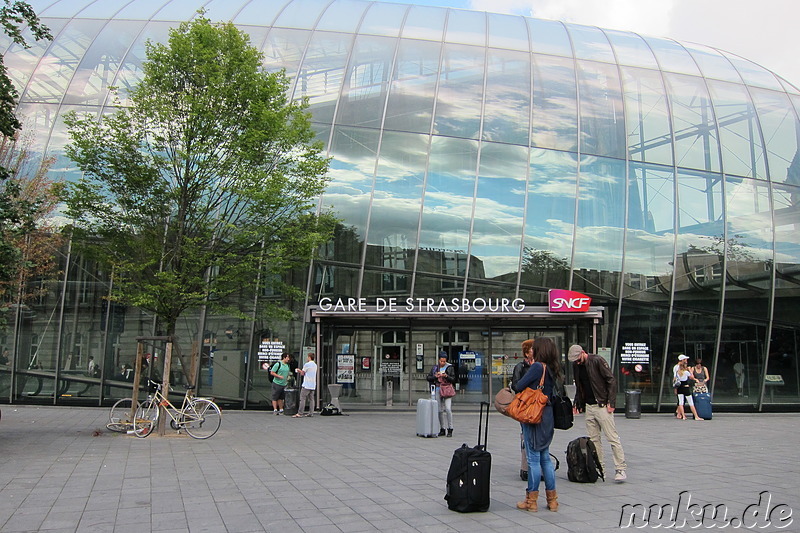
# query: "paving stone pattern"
62,471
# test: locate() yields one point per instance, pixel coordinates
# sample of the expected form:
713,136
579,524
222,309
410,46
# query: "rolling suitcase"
428,416
702,403
469,475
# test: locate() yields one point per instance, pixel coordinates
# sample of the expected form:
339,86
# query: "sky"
761,31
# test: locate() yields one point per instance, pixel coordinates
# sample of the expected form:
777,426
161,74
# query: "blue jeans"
539,463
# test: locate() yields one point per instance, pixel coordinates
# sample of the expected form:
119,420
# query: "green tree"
209,175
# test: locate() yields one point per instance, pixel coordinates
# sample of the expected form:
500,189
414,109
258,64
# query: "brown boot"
552,500
530,503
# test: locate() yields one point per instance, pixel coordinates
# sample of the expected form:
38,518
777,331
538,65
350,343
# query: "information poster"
633,353
269,353
345,368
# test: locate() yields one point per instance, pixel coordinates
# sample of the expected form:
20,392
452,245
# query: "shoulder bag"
446,389
528,405
503,399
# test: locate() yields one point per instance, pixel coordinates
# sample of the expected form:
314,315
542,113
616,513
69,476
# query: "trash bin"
633,404
290,401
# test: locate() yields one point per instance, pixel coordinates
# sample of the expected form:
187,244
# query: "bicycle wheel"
146,419
203,419
119,419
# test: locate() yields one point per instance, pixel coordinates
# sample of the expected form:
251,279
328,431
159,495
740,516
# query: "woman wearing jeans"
539,436
443,372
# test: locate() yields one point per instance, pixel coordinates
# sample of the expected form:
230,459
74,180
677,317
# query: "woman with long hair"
538,437
684,381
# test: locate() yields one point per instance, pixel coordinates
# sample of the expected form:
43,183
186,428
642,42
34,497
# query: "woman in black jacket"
442,373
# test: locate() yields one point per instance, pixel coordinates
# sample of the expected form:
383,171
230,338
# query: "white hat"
681,357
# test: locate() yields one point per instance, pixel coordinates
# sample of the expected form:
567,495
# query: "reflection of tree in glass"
736,250
544,268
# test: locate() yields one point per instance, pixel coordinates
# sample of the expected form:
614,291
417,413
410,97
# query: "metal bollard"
389,392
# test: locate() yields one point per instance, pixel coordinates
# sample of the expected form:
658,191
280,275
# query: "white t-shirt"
310,375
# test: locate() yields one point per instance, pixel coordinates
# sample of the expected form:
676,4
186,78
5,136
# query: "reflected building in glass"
474,156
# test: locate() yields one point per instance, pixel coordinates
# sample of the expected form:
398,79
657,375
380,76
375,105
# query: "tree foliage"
210,172
29,240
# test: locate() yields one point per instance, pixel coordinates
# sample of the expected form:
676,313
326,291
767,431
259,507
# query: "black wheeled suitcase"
470,473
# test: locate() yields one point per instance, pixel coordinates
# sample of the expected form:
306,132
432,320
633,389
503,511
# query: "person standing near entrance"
280,375
596,394
309,373
442,375
520,369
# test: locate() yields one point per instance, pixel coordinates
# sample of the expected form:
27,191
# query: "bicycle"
120,418
200,417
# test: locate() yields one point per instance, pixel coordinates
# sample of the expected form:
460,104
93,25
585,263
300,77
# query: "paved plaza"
62,471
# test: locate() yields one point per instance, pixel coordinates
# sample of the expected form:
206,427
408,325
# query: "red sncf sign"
562,301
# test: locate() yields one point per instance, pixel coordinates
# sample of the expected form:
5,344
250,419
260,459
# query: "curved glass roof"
515,134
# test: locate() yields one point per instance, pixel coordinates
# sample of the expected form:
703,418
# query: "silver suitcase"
428,416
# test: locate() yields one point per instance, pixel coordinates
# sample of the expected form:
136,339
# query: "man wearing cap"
596,395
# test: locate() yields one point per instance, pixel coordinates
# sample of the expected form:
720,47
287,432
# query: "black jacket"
449,371
604,384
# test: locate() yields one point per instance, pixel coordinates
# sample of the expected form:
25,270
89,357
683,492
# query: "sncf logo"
562,301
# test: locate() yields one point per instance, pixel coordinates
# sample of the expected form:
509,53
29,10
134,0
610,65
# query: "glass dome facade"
478,155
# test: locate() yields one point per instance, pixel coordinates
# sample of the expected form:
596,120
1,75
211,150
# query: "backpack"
330,410
583,465
562,411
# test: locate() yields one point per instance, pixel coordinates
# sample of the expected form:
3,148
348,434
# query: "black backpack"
562,410
330,410
583,465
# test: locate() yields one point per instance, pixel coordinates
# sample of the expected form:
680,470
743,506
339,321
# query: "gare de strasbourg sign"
559,301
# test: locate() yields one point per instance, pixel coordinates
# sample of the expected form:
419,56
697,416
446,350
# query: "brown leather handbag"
528,405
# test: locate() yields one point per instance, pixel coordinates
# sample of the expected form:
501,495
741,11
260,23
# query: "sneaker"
620,476
280,412
276,412
441,432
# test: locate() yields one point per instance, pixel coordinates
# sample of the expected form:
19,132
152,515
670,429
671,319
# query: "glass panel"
590,43
749,247
352,170
508,31
130,72
66,8
227,9
672,56
602,120
20,62
787,260
788,87
712,63
322,72
549,219
301,14
63,167
645,324
413,87
630,49
101,62
549,37
260,13
466,27
342,15
742,150
458,110
177,10
752,73
100,9
601,219
366,83
780,127
383,19
396,204
783,360
37,124
508,92
140,9
424,23
647,116
693,334
555,106
283,50
650,239
499,210
693,122
698,269
57,67
740,369
447,210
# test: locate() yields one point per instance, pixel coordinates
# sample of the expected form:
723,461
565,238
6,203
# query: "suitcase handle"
480,424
